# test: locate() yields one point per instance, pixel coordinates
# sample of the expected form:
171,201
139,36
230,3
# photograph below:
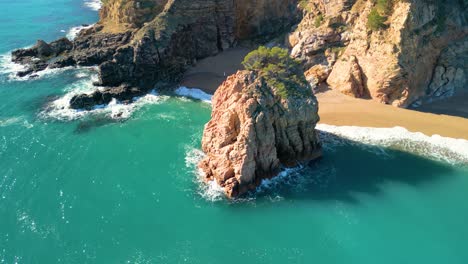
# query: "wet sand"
342,110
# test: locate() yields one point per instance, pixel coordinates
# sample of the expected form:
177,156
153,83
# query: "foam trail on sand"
451,150
93,4
194,93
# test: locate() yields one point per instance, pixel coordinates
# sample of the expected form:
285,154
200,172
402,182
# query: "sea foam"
74,31
194,93
60,109
451,150
8,67
93,4
436,147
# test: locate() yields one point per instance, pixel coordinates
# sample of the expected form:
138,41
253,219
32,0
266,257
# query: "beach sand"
338,109
210,73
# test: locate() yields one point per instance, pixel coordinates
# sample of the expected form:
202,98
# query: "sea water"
119,184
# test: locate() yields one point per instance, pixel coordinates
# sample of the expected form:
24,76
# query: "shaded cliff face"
414,55
146,44
119,15
254,131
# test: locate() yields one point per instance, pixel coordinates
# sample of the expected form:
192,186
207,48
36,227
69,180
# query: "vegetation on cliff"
379,14
279,71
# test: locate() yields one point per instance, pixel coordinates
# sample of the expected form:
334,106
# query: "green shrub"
318,20
304,5
279,70
375,21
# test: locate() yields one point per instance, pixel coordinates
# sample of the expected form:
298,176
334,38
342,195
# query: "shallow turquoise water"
98,190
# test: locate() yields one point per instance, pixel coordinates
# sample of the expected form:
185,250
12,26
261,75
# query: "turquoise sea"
80,187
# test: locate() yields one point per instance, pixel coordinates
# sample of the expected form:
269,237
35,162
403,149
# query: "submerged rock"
254,131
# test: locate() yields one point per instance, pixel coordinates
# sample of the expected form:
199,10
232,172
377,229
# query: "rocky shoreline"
136,53
138,46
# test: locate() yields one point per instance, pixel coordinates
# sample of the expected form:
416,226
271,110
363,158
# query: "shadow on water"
87,125
351,168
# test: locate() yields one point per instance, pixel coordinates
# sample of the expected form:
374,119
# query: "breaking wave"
60,109
8,67
210,191
74,31
379,140
194,93
93,4
450,150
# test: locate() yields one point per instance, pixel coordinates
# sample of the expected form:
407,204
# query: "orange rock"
253,132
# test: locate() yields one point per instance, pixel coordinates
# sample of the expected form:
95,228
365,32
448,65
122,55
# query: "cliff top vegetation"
279,70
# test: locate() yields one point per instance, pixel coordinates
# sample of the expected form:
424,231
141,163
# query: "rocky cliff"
398,52
139,45
254,131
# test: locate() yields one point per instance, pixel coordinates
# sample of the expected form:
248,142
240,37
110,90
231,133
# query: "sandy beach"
342,110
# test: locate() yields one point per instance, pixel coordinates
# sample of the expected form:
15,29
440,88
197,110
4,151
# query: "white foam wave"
74,31
450,150
9,67
211,191
446,149
194,93
93,4
60,109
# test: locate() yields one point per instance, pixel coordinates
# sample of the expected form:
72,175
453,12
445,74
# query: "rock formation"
140,45
395,51
254,131
399,52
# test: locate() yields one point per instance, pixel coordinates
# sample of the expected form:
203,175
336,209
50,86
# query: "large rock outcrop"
415,55
254,131
150,43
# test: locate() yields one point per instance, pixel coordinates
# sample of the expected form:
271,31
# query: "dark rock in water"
60,46
104,97
33,67
63,62
155,44
158,44
23,56
43,49
25,72
37,57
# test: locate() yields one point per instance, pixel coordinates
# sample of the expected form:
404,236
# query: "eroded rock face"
253,132
150,43
416,56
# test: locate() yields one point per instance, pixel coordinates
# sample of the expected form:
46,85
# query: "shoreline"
336,108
